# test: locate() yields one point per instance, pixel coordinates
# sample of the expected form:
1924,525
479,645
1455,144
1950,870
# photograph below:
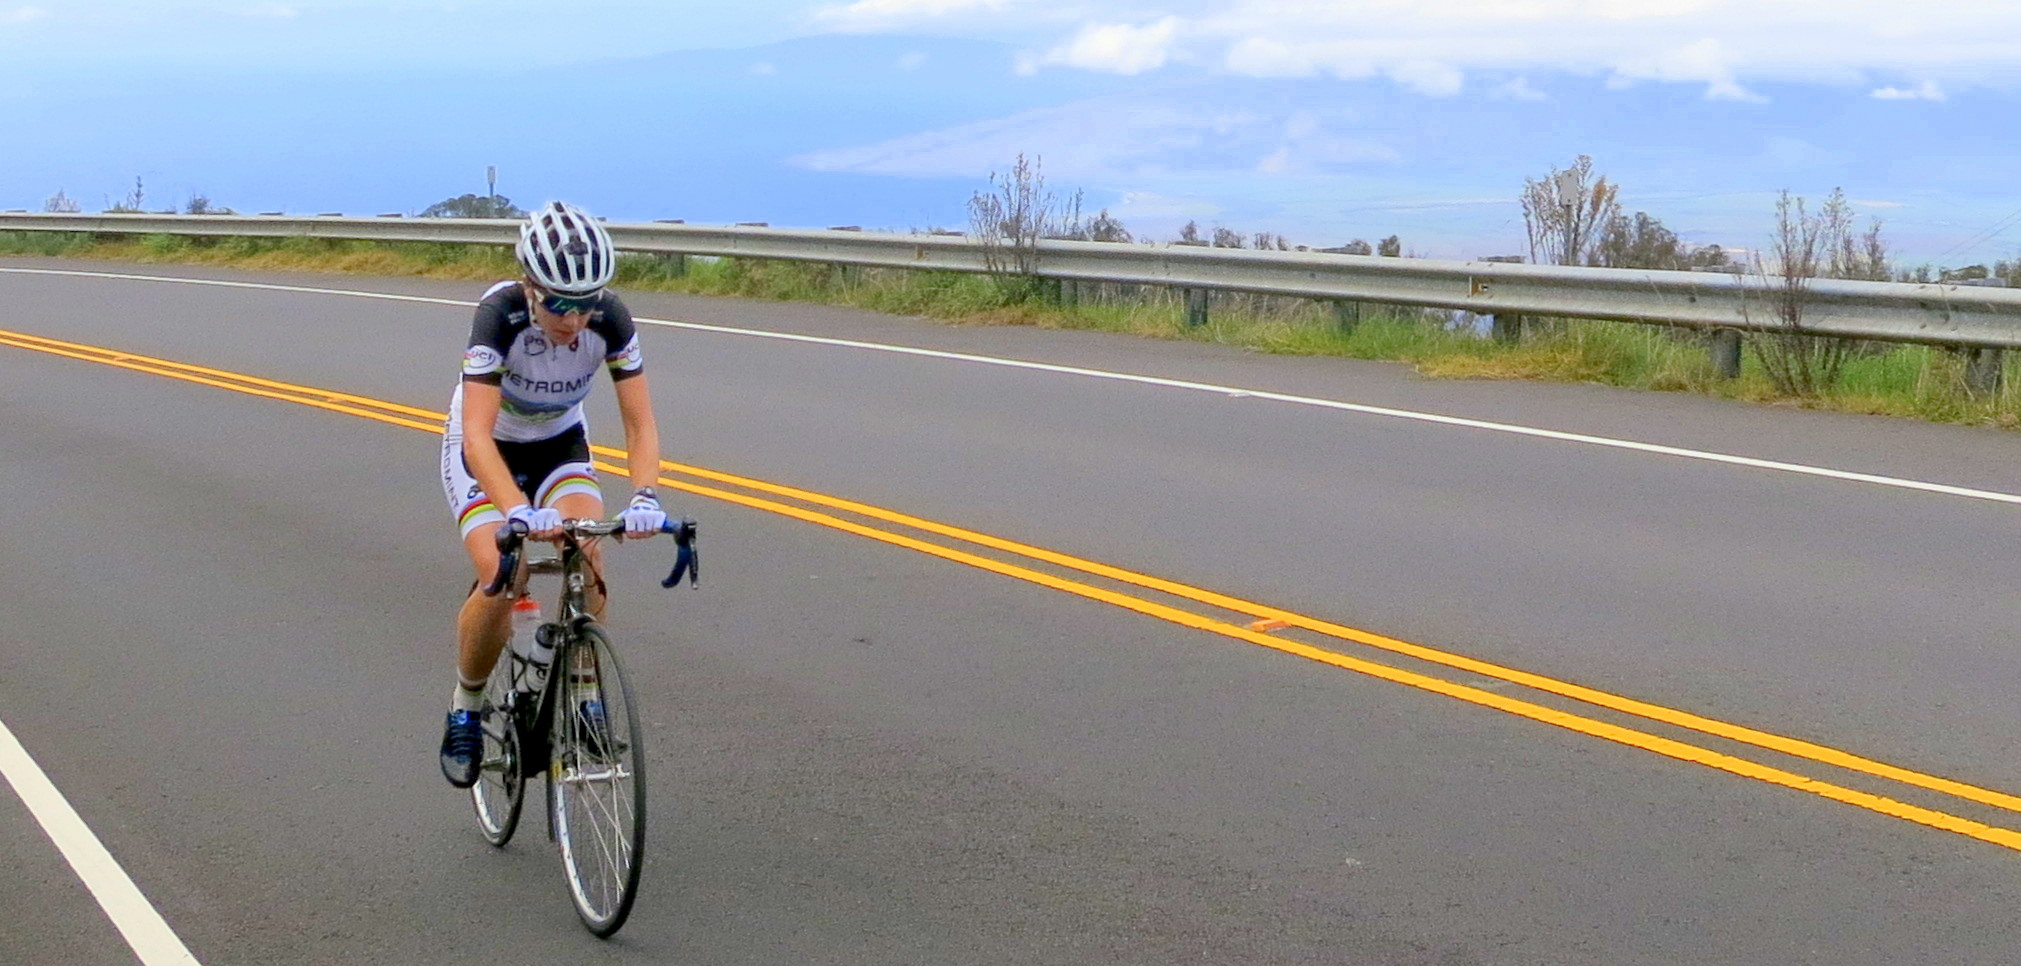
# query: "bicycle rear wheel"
501,787
597,786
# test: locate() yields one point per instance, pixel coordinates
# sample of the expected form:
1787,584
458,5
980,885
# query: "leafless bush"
133,200
61,203
1011,218
1809,245
1565,213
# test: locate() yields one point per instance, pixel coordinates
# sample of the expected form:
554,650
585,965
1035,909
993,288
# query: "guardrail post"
1196,307
1506,327
1725,348
1070,293
1982,370
1346,315
676,263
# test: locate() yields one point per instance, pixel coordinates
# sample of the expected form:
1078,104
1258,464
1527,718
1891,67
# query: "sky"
1320,120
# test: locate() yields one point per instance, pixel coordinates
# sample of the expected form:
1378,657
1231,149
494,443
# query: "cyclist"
516,447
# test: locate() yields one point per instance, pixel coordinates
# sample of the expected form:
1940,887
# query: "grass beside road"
1908,381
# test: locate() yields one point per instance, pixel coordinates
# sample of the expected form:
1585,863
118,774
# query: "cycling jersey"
541,385
541,431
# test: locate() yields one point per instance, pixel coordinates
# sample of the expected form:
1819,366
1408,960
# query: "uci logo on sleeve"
479,360
628,358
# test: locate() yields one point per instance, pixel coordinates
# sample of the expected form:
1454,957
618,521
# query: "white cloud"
871,15
271,11
1118,48
1651,9
1318,154
1926,91
1428,77
1705,61
1442,204
1518,89
1125,139
1262,57
913,60
1796,154
22,15
1151,204
762,69
1879,204
1727,48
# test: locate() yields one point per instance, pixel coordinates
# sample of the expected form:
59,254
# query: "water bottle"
530,652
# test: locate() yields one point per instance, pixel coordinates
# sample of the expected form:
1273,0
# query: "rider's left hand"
643,517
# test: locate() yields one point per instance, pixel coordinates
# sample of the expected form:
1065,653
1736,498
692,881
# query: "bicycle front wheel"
597,779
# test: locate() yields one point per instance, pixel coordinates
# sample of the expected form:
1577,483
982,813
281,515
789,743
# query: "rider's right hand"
541,524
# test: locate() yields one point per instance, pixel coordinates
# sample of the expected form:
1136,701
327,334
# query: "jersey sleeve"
621,335
490,341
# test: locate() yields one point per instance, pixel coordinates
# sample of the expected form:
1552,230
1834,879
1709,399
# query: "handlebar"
512,537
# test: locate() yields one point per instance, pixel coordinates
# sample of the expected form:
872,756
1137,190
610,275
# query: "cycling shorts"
545,470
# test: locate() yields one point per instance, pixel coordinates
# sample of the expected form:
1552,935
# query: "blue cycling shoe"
593,725
463,747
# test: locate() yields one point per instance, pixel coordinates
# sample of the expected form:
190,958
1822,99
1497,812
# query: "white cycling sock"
467,699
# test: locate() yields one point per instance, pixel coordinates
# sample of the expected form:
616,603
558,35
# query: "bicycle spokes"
597,787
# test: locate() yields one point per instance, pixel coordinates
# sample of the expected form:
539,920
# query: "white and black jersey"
543,385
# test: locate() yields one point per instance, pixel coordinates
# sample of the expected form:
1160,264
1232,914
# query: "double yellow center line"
760,495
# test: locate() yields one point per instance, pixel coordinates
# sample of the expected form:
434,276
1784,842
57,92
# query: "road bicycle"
576,728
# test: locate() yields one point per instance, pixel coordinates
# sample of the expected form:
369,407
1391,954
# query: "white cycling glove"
537,521
643,517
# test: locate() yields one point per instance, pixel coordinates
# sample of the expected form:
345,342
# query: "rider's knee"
482,546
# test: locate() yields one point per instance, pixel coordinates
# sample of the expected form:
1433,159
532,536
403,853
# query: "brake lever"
510,539
688,561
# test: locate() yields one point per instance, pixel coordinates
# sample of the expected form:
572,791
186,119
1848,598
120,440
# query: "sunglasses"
566,304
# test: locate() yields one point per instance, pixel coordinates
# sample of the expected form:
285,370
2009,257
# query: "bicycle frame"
571,616
588,753
571,564
571,613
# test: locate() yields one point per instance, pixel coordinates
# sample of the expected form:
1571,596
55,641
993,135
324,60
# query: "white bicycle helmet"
565,251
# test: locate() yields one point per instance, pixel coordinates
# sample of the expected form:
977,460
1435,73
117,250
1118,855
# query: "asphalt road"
227,641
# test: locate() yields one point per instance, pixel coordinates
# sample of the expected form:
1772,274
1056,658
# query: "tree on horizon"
474,206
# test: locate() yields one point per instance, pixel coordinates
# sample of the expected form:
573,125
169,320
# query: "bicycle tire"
501,785
596,782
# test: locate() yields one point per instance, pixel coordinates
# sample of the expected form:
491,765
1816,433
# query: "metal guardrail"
1932,313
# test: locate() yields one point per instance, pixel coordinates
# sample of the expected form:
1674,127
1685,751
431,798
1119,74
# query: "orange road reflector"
1269,624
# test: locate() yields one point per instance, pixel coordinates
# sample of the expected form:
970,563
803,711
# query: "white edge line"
149,935
1510,428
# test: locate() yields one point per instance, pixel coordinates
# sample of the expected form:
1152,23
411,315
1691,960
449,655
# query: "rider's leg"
481,628
572,489
484,623
586,505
